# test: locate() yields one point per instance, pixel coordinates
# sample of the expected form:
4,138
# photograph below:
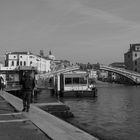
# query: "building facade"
15,59
132,58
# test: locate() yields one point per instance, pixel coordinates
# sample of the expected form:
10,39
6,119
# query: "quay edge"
52,126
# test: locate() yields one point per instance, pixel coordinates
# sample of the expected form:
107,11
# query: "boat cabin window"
68,81
75,80
83,81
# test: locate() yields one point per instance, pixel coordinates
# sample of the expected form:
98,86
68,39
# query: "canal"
113,115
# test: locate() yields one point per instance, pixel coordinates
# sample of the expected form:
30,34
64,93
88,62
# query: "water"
113,115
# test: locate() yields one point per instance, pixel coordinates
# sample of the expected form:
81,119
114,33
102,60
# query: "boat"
75,83
12,77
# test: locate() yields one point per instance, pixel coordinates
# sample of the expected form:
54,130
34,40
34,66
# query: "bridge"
54,74
57,72
133,76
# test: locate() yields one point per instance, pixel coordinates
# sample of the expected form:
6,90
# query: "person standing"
28,84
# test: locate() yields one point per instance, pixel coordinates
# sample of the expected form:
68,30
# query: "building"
93,74
103,75
15,59
132,58
50,56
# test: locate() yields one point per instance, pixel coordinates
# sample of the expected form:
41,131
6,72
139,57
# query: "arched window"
24,63
136,62
12,63
31,62
17,63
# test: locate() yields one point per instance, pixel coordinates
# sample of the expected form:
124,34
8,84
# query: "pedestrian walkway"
14,125
53,127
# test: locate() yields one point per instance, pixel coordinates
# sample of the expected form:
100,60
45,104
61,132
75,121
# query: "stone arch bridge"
133,76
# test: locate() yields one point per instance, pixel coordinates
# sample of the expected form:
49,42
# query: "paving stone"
25,130
21,131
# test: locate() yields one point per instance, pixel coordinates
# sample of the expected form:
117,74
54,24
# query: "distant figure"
28,84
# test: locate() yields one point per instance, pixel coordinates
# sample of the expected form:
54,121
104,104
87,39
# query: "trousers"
26,98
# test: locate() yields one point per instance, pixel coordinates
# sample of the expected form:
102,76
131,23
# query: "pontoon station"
72,83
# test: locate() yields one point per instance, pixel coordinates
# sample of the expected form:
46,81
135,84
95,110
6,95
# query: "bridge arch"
133,76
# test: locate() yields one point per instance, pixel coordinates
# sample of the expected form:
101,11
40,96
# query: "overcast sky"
77,30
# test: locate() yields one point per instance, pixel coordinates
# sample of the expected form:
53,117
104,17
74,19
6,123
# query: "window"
136,62
136,69
14,56
31,63
135,54
83,81
20,63
24,63
68,81
17,63
20,56
12,63
76,80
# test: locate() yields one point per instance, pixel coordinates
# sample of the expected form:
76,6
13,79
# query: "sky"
77,30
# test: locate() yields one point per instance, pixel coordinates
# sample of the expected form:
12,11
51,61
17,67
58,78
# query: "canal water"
113,115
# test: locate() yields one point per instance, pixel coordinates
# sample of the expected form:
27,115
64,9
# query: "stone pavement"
52,126
15,126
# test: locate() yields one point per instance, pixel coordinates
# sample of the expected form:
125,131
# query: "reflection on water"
113,115
44,96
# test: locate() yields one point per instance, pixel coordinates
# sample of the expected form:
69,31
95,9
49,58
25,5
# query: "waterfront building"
132,58
93,74
103,75
15,59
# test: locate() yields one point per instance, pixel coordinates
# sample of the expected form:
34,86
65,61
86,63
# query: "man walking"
28,85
